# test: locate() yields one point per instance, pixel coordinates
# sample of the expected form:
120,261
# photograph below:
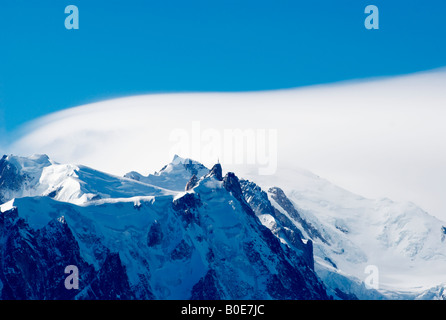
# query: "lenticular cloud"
383,137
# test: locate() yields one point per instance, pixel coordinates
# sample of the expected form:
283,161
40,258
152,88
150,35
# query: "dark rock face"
53,193
187,206
345,296
217,172
285,228
58,248
33,262
331,262
10,179
256,197
182,251
18,262
155,235
188,202
232,184
207,288
296,268
191,183
111,282
279,196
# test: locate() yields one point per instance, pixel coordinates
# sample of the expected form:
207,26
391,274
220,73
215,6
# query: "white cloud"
378,138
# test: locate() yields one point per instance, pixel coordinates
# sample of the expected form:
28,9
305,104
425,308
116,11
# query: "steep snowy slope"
351,232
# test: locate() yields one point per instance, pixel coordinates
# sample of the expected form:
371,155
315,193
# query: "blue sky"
135,46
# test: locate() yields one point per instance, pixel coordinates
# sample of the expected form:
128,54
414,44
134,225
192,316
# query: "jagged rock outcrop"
33,262
282,227
191,183
279,196
216,172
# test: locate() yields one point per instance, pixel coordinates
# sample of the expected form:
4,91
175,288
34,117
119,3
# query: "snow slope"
39,176
404,242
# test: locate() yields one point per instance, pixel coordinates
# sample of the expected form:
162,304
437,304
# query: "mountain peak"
20,174
173,176
232,184
216,171
178,159
35,160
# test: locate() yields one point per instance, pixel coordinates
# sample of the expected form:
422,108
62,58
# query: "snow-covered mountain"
204,243
39,176
173,176
349,233
187,232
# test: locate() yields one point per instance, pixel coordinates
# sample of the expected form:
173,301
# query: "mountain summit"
173,176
